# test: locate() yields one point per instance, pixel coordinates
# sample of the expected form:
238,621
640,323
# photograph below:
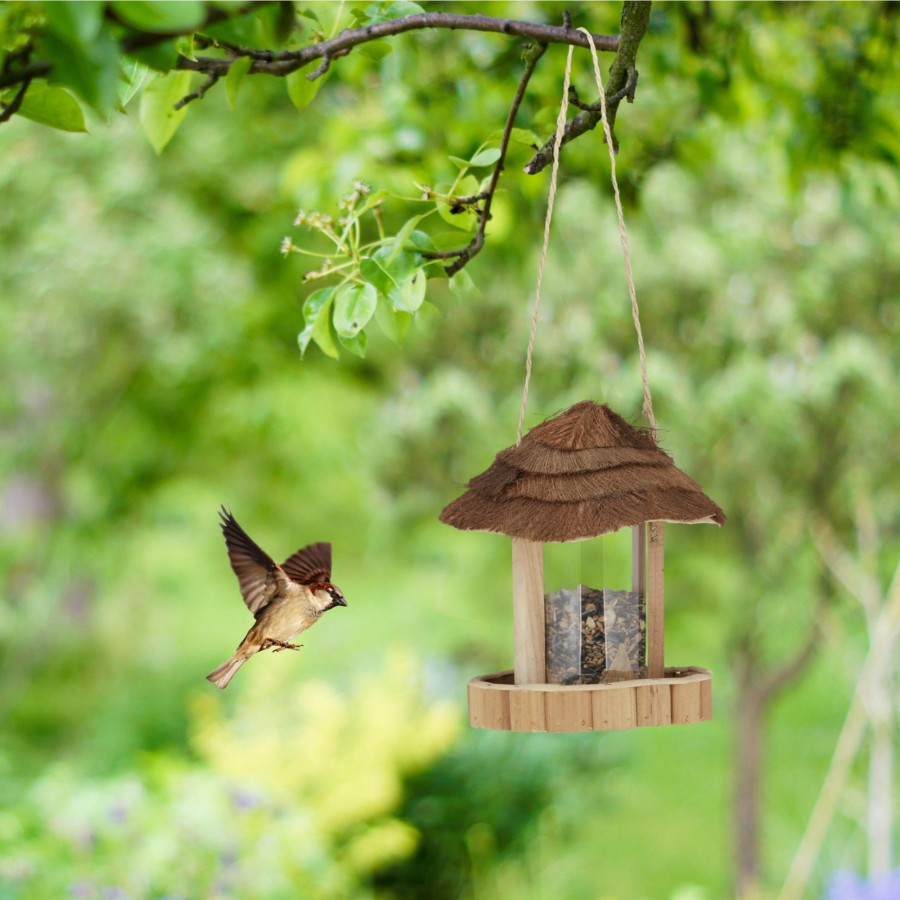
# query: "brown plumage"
284,600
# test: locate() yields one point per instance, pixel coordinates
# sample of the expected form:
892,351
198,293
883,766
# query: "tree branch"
287,61
464,254
11,108
620,85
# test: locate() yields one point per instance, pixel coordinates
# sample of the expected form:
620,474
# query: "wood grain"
528,611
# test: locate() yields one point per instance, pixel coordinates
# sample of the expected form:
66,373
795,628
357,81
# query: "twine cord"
623,236
551,199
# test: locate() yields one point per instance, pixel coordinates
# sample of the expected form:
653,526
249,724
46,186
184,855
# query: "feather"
257,574
310,565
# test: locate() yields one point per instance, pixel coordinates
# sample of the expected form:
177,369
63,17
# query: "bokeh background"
150,372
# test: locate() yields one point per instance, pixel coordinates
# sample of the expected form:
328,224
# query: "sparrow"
284,600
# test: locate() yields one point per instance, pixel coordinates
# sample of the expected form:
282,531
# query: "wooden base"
681,697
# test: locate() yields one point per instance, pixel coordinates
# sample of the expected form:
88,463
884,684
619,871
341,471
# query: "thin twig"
462,255
199,94
11,108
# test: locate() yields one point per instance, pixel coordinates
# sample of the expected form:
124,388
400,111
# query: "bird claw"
278,646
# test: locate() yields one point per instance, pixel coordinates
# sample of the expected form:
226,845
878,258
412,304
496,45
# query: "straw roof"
582,473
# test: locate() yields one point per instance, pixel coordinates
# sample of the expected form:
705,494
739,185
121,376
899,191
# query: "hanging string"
623,235
551,198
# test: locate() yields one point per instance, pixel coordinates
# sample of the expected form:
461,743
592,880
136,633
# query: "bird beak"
340,602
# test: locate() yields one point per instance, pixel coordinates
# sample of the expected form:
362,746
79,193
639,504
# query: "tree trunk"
748,764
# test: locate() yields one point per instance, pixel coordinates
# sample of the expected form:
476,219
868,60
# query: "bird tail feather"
221,675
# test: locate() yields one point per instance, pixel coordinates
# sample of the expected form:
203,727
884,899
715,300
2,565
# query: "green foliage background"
151,369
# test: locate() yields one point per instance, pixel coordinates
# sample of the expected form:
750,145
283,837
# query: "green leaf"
462,287
412,292
53,106
354,305
301,90
312,310
244,31
448,240
309,13
92,71
76,23
485,157
421,241
159,119
184,44
323,332
374,199
525,136
385,12
356,345
403,236
135,74
388,272
375,273
160,57
395,325
235,78
161,16
376,50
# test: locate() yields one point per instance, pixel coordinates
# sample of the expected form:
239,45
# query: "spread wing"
310,565
256,571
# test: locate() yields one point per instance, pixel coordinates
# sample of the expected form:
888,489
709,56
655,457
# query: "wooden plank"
568,709
614,709
639,559
488,707
706,706
528,611
654,704
686,702
527,711
655,601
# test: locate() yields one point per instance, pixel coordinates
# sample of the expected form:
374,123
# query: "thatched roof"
582,473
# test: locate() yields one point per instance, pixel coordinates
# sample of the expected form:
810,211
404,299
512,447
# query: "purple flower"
850,886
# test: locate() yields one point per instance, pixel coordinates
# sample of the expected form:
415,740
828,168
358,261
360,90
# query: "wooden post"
655,602
639,559
528,611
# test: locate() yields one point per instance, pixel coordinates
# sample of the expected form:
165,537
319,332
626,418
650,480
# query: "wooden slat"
706,706
655,601
654,704
686,702
488,707
528,611
639,559
568,710
682,697
527,711
614,709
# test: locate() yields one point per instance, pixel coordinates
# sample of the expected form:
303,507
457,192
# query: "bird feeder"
587,658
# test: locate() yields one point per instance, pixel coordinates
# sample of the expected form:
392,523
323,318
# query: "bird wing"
257,573
309,565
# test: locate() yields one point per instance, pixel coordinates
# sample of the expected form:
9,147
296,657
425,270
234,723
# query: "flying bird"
284,600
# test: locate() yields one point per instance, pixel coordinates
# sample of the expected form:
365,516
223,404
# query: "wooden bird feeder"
584,473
